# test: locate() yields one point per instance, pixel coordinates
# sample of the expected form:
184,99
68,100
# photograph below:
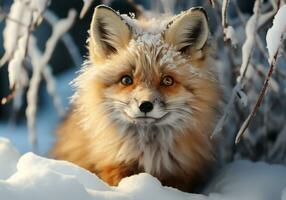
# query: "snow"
8,158
247,180
231,35
156,24
224,11
15,65
275,34
35,177
228,31
250,31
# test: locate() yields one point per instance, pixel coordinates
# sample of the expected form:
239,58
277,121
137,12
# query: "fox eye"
167,81
126,80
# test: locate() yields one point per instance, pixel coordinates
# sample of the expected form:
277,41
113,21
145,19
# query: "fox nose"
146,106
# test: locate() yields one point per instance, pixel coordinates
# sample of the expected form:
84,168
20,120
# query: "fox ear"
189,31
108,32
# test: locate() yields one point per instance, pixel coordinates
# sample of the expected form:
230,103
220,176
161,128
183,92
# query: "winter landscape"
42,51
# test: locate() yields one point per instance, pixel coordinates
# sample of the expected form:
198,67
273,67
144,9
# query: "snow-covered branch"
60,28
250,32
229,33
86,5
274,39
21,51
68,41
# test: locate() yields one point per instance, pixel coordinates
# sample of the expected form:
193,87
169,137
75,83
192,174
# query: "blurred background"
265,139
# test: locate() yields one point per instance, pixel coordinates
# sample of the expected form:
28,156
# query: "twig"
250,30
224,14
9,97
258,102
4,15
243,70
263,19
86,5
59,29
212,2
67,39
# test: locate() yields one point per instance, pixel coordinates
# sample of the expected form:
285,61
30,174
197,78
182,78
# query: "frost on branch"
67,39
15,66
250,32
276,33
246,69
22,15
59,29
274,38
229,33
247,47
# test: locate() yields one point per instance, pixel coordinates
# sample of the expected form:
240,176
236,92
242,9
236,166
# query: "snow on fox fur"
145,101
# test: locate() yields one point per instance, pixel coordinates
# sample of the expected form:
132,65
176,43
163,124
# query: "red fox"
146,100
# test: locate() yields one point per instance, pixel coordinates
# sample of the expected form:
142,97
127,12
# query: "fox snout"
145,106
146,100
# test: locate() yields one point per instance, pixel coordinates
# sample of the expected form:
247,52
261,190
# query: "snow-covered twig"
276,33
258,102
224,13
228,31
59,29
86,5
250,31
23,18
67,40
36,55
246,54
274,39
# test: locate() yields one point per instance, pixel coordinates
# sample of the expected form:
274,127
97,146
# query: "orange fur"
99,135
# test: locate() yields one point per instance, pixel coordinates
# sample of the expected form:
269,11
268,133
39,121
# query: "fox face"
147,96
148,90
152,80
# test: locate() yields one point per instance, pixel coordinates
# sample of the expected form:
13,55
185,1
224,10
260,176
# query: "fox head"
148,78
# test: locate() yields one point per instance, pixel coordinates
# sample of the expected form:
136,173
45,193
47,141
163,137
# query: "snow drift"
34,177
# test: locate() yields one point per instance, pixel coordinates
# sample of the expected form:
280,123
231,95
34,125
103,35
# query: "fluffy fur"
106,133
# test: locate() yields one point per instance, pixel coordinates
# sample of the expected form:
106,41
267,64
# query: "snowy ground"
33,177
